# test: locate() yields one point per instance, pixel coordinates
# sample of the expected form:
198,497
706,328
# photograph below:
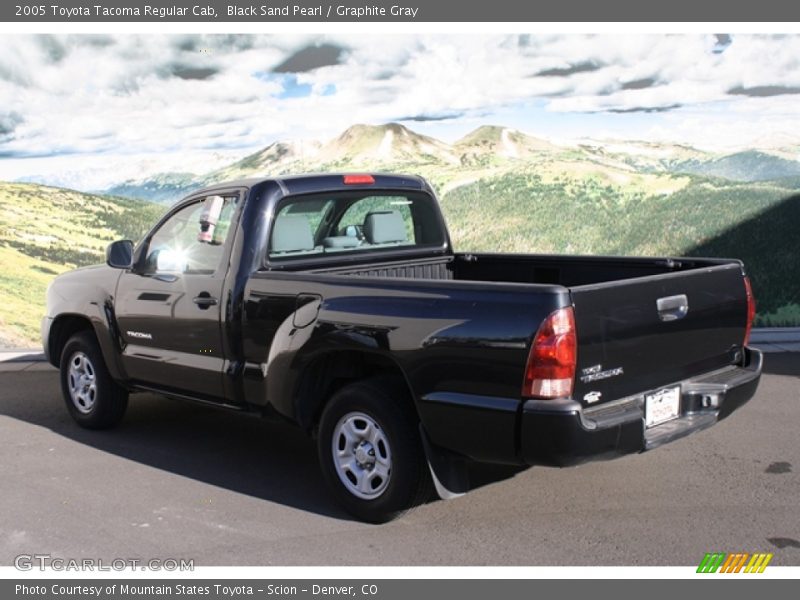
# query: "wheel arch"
63,328
66,325
330,371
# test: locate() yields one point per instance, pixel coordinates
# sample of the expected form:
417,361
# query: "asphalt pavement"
177,480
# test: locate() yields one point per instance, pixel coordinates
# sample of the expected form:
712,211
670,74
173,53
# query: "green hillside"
750,165
755,222
45,231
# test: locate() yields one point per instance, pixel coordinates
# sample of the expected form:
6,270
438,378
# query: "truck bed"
569,271
619,311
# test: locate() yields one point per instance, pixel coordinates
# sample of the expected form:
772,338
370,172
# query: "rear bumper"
562,432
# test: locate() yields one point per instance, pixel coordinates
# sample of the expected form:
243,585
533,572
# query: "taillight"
751,309
358,179
550,372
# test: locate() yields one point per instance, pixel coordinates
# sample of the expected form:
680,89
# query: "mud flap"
448,470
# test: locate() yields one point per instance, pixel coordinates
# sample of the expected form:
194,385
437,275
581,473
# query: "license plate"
661,406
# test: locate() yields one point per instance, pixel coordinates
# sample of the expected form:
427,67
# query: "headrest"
384,227
292,233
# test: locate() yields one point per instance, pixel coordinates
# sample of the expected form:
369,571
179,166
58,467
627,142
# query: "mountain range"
487,151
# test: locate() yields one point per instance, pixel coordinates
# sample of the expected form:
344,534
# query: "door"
168,306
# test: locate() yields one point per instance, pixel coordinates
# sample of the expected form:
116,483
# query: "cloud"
763,91
53,48
645,109
9,122
639,84
722,41
581,67
311,58
426,118
192,72
159,94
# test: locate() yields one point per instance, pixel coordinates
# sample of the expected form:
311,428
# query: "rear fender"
328,357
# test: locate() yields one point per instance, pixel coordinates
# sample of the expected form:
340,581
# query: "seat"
385,227
292,233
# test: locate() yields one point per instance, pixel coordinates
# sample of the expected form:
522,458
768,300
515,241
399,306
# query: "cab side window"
176,248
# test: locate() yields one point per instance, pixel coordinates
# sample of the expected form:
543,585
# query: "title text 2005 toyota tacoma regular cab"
337,303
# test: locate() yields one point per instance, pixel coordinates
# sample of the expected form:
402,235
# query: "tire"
94,400
370,451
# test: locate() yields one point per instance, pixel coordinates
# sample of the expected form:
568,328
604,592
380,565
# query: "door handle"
672,308
204,300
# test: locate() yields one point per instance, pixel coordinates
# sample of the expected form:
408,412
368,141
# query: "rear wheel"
93,399
370,451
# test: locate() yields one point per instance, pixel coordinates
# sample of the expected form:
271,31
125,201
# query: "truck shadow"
772,261
271,461
782,364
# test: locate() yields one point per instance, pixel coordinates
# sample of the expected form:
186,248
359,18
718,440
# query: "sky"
88,111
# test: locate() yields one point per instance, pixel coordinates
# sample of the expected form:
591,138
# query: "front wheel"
93,398
370,451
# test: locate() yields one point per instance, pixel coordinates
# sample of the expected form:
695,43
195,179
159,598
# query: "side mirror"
119,254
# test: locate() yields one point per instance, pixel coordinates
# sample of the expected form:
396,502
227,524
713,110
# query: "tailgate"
637,335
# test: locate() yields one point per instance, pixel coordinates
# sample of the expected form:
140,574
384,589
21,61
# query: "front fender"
88,295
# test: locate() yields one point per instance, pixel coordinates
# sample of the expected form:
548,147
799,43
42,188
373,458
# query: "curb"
23,360
775,335
21,355
776,339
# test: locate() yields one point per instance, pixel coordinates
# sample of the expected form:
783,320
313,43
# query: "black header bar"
461,11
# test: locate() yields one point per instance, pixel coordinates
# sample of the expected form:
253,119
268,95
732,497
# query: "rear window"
352,222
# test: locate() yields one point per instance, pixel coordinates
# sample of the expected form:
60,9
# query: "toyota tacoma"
337,303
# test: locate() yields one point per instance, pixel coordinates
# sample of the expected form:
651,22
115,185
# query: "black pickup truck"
337,303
